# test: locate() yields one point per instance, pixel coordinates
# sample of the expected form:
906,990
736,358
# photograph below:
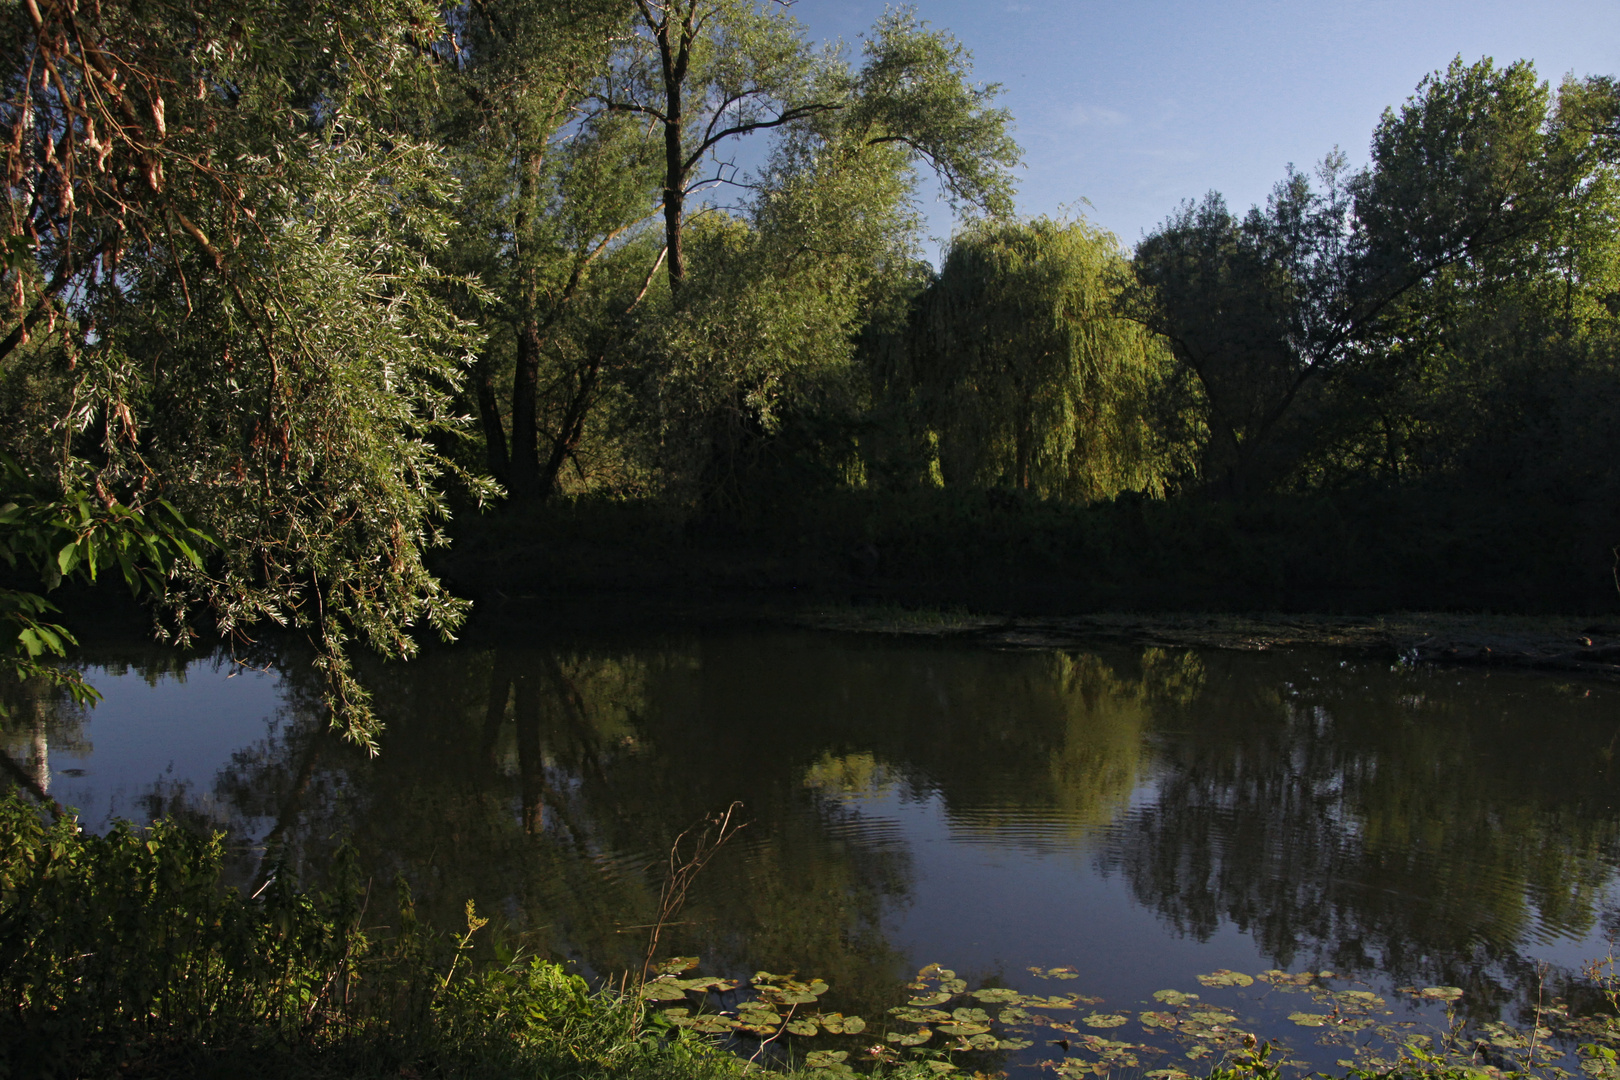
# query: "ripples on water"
1144,816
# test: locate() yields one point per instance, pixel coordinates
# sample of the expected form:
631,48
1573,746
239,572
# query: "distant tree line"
285,283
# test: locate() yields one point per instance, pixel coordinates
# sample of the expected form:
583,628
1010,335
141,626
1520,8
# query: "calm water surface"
1142,816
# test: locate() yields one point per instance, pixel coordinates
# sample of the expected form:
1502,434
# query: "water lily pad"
675,965
755,1029
1223,977
1158,1020
1036,1002
961,1027
1016,1044
1105,1020
1168,1074
1361,998
1173,997
934,971
714,1025
918,1016
1199,1051
800,1027
910,1038
924,1000
1014,1016
998,995
953,986
1441,993
663,989
1304,1019
708,983
839,1024
789,997
1211,1016
970,1016
821,1059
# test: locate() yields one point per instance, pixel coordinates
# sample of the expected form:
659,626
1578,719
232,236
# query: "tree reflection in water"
1433,826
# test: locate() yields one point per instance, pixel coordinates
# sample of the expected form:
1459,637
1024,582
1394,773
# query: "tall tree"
1031,378
1266,309
708,72
619,319
547,197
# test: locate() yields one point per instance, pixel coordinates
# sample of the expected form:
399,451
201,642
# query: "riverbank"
1563,644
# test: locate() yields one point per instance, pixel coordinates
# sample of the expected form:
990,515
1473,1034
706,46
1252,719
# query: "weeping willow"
1030,379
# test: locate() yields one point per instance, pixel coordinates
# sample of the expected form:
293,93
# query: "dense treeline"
285,284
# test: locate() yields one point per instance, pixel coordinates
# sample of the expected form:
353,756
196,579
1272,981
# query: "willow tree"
1028,375
220,303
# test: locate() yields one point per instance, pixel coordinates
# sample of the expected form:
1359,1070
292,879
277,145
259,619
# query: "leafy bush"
123,954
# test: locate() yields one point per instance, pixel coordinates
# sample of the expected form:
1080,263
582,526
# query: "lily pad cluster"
783,1004
942,1017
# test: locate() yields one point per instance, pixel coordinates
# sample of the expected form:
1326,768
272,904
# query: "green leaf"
1223,977
912,1038
31,642
930,999
663,989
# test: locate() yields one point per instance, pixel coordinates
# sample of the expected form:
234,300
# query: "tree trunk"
525,465
675,58
572,429
489,414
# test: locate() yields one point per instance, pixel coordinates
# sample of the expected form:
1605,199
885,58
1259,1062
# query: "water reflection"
1142,814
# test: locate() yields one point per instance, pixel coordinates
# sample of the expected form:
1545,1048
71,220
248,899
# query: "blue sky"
1136,106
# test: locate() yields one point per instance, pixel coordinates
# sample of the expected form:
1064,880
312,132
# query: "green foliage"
229,307
1327,328
77,536
1028,375
124,955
